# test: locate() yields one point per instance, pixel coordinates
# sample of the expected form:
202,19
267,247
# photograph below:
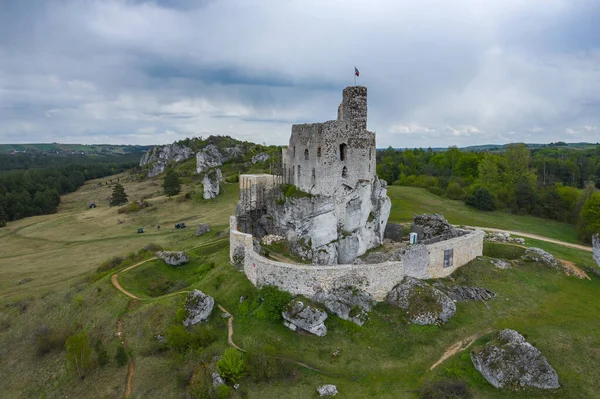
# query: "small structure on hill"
92,205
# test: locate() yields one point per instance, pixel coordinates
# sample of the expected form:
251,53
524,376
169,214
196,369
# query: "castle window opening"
370,155
319,152
298,172
294,150
306,154
448,257
345,172
343,149
314,175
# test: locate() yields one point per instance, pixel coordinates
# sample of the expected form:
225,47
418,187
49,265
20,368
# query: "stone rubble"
423,303
434,226
202,229
173,258
503,237
539,255
327,391
271,239
514,364
199,307
217,380
500,264
461,293
306,317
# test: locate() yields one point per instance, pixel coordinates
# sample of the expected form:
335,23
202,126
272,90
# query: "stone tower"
323,156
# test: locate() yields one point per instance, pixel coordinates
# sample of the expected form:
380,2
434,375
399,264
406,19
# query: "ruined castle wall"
238,243
254,188
421,261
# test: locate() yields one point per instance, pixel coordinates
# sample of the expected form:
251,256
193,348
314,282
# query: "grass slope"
409,200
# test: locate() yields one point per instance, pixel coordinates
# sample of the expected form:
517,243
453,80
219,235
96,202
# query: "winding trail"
536,237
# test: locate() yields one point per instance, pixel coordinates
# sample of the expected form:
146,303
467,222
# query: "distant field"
409,200
93,148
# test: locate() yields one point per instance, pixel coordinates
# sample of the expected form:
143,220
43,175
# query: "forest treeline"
34,185
554,183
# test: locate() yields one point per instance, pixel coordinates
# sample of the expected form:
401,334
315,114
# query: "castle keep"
322,156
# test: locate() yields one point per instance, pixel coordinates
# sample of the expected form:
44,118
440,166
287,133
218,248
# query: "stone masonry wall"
420,261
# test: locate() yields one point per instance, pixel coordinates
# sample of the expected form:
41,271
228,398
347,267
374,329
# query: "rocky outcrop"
541,256
503,237
199,307
211,182
332,229
327,391
202,229
500,264
173,258
511,362
305,317
348,303
262,157
423,303
433,226
461,293
158,158
596,248
211,156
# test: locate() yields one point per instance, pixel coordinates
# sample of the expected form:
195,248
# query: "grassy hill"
386,358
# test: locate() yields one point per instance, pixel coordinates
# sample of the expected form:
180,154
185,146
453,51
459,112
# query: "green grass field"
386,358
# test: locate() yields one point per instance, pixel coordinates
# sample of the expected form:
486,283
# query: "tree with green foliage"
171,184
481,199
589,218
79,352
232,366
119,197
101,353
121,356
273,302
3,217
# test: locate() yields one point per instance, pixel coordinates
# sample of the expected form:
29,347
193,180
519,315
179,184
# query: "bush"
263,368
436,190
101,353
232,365
121,356
448,389
79,352
481,199
47,340
454,191
182,341
134,207
273,303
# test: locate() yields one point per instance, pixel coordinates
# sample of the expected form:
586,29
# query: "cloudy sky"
438,72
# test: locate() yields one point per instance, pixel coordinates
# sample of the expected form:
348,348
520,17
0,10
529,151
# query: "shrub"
273,303
263,368
101,353
454,191
436,190
447,389
182,341
121,356
232,365
110,264
47,340
134,207
79,352
481,199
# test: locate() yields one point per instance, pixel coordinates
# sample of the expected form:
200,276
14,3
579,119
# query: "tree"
119,197
171,184
488,171
121,356
589,218
79,352
3,217
232,365
481,199
516,162
101,353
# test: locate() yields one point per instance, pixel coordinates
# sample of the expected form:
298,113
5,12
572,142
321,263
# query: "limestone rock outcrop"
202,229
173,258
306,317
433,226
348,303
199,307
262,157
503,237
333,229
211,156
211,183
423,303
539,255
596,248
159,157
513,363
461,293
327,391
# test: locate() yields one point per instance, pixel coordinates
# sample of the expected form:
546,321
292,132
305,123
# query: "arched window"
306,154
370,155
298,172
344,172
343,149
314,175
319,152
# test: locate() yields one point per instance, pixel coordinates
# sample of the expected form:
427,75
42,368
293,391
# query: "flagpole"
354,76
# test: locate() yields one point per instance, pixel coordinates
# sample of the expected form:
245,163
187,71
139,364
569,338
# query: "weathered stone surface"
327,391
211,157
262,157
271,239
348,303
173,258
433,226
377,257
423,303
539,255
159,157
211,181
217,380
596,248
199,307
202,229
513,363
393,232
305,317
462,293
503,237
500,264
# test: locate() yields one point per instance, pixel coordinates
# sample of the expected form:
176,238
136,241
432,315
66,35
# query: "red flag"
356,72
